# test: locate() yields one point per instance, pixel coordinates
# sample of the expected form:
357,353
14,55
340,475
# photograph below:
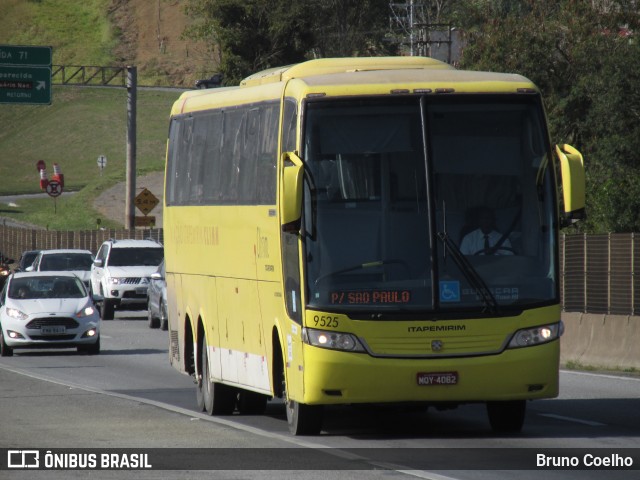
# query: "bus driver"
486,239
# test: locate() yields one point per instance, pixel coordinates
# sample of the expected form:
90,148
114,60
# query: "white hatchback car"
48,310
121,273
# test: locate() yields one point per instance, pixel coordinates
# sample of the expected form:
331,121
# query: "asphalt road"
130,397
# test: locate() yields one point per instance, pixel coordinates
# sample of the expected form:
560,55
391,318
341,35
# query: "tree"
350,28
585,57
254,35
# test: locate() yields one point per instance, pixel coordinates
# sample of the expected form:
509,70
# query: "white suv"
121,271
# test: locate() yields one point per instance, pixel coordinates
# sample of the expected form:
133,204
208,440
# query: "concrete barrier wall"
599,340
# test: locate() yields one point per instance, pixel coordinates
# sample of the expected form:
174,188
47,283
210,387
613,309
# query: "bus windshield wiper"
470,273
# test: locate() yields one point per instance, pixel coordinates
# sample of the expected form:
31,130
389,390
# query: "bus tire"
251,403
217,398
507,417
304,419
200,395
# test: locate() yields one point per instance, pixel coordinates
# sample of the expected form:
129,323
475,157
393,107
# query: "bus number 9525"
325,321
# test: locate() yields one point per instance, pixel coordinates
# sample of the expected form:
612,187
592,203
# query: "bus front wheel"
304,419
506,417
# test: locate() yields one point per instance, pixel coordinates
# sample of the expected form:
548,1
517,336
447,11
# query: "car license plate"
428,379
141,290
54,330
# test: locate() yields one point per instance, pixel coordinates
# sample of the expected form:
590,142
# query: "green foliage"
254,35
350,28
588,69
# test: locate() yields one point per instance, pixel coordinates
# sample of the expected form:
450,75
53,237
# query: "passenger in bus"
486,239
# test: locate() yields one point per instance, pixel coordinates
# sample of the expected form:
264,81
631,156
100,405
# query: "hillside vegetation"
144,33
83,123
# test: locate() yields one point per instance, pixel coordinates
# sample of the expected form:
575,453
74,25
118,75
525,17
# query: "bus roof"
355,76
327,66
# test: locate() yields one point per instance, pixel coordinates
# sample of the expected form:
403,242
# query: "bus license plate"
428,379
56,330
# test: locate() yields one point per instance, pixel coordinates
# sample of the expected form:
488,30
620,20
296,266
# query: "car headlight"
5,273
17,314
528,337
115,280
332,340
86,312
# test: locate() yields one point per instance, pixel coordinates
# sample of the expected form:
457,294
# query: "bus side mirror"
291,192
573,183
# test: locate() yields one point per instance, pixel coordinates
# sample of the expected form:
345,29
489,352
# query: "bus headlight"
332,340
537,335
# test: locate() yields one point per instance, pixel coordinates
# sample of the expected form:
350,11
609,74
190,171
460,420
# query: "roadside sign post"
145,201
54,190
25,74
102,162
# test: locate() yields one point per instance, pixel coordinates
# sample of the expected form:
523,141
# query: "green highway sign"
25,84
25,55
25,74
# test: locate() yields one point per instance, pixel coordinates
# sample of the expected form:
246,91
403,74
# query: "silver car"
157,303
48,310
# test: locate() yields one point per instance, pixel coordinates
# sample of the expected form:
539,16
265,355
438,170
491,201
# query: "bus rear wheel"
507,417
214,398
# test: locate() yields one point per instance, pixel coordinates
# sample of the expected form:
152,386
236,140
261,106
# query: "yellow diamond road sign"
146,201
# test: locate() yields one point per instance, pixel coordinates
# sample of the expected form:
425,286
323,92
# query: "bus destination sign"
370,297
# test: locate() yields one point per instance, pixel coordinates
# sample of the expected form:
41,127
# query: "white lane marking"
414,473
238,426
574,420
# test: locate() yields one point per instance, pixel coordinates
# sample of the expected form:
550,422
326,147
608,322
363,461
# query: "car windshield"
66,262
130,257
395,188
27,259
28,288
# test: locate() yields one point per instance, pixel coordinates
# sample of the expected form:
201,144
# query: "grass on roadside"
573,365
47,22
68,212
80,125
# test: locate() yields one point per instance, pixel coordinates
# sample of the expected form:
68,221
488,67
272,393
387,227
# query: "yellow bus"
315,220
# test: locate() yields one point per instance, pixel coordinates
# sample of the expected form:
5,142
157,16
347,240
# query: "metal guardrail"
88,75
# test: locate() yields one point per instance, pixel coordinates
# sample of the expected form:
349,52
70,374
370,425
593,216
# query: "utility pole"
132,86
406,16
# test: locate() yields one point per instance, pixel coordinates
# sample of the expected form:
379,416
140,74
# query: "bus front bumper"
333,377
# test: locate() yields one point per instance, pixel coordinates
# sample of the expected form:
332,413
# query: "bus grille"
435,346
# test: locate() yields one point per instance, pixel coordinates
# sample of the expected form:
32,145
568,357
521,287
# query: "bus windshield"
428,205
